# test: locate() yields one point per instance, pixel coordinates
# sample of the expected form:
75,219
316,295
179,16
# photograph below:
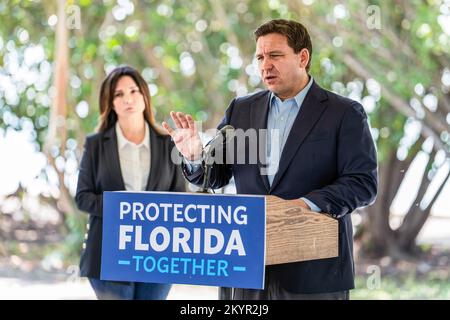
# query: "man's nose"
266,65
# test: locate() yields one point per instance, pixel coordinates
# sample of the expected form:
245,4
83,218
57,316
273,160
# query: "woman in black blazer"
129,152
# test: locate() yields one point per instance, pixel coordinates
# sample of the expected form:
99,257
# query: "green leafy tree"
197,55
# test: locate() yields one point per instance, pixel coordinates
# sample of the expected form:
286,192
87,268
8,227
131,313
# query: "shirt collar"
122,141
298,98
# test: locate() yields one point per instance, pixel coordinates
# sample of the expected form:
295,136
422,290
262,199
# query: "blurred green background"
392,56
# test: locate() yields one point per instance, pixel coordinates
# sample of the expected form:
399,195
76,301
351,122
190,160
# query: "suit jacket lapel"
156,158
310,112
112,156
258,121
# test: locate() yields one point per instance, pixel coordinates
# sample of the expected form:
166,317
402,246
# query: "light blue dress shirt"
280,120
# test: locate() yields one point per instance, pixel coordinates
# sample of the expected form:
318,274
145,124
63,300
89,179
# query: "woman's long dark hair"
108,116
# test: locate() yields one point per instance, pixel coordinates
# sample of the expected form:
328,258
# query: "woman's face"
128,100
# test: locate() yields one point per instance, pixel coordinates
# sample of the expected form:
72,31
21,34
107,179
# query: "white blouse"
134,160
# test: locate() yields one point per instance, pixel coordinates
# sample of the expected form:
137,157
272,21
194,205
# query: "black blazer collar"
259,112
113,163
112,158
157,159
312,108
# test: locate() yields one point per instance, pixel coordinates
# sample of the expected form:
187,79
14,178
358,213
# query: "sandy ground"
17,289
19,283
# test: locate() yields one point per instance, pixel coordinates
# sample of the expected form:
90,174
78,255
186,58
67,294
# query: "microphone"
209,153
218,139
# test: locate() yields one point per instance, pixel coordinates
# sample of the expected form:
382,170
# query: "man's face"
282,70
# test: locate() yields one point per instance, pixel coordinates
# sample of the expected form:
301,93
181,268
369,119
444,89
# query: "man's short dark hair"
296,33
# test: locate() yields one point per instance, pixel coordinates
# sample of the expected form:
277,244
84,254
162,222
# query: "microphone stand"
224,292
206,170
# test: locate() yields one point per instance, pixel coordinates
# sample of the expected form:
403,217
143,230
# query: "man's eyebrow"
270,52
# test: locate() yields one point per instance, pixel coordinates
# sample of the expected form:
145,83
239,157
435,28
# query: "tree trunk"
57,129
377,236
416,218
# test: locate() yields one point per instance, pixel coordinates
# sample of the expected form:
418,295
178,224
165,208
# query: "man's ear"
304,57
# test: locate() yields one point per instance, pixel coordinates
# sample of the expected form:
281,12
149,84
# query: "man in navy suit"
323,151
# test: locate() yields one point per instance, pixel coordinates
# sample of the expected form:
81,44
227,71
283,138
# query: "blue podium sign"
167,237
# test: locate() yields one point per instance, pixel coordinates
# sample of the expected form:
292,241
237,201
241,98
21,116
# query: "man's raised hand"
185,135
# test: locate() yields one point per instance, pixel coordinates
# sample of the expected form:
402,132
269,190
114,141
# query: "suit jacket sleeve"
86,198
357,167
220,174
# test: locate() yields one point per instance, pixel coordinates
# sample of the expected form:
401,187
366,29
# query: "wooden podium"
295,234
236,221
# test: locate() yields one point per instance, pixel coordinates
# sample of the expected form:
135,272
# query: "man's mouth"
270,78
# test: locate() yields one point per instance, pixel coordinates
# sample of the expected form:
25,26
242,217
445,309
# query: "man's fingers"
191,123
175,119
175,138
168,128
182,119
